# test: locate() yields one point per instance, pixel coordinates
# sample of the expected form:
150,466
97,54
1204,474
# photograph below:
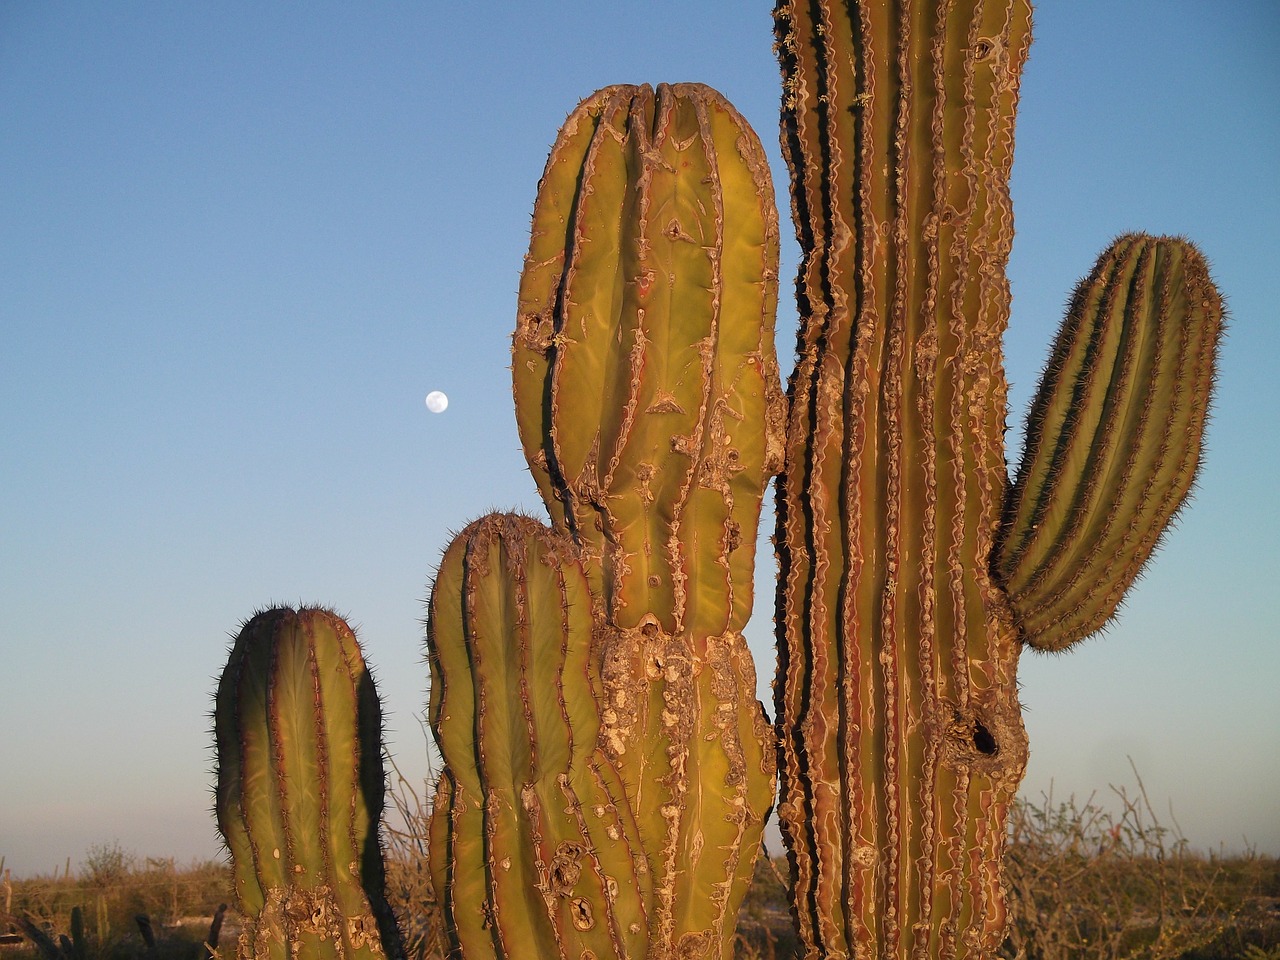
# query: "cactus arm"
1113,437
898,659
300,790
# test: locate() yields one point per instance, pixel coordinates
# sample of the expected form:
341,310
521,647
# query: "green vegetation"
93,914
608,768
300,787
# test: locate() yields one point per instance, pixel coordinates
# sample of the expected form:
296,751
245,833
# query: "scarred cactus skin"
300,786
533,842
649,406
908,586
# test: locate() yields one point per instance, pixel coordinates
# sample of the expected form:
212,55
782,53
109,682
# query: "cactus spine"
298,733
899,625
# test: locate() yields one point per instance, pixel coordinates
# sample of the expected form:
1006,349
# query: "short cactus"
535,848
909,580
648,403
299,793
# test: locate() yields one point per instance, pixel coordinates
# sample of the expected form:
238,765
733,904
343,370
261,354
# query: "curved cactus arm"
300,786
1113,437
649,406
533,843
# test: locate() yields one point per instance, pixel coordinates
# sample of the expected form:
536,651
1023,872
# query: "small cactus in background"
910,579
299,794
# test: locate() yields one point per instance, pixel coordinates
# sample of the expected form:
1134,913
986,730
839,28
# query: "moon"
437,402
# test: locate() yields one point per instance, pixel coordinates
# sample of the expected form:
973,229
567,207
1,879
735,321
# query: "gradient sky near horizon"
240,242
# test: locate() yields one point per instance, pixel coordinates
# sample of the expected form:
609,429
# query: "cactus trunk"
908,584
901,732
300,789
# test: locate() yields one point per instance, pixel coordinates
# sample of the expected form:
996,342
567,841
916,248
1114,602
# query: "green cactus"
910,578
1113,438
649,406
533,842
299,794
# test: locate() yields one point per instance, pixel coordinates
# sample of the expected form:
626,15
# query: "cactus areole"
910,577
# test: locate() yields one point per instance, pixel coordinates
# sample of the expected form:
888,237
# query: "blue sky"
240,242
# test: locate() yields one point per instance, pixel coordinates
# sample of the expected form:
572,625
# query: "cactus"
649,407
533,841
299,793
909,580
648,404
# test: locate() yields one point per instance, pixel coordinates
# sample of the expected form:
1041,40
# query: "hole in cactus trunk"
983,741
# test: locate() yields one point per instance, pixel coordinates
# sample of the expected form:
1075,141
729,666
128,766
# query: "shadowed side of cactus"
300,788
532,842
908,584
648,403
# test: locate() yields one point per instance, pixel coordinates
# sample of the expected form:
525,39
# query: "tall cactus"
648,403
299,794
900,621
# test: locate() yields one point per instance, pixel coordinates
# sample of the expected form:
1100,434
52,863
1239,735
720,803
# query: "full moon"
437,401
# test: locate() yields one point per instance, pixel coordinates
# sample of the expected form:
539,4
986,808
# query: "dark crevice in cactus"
983,741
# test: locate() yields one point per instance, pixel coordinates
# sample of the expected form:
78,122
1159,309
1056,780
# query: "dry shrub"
409,888
1089,883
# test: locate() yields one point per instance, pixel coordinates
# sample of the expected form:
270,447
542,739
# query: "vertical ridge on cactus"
1113,438
648,404
300,789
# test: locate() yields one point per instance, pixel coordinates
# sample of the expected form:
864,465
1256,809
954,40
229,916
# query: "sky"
240,243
